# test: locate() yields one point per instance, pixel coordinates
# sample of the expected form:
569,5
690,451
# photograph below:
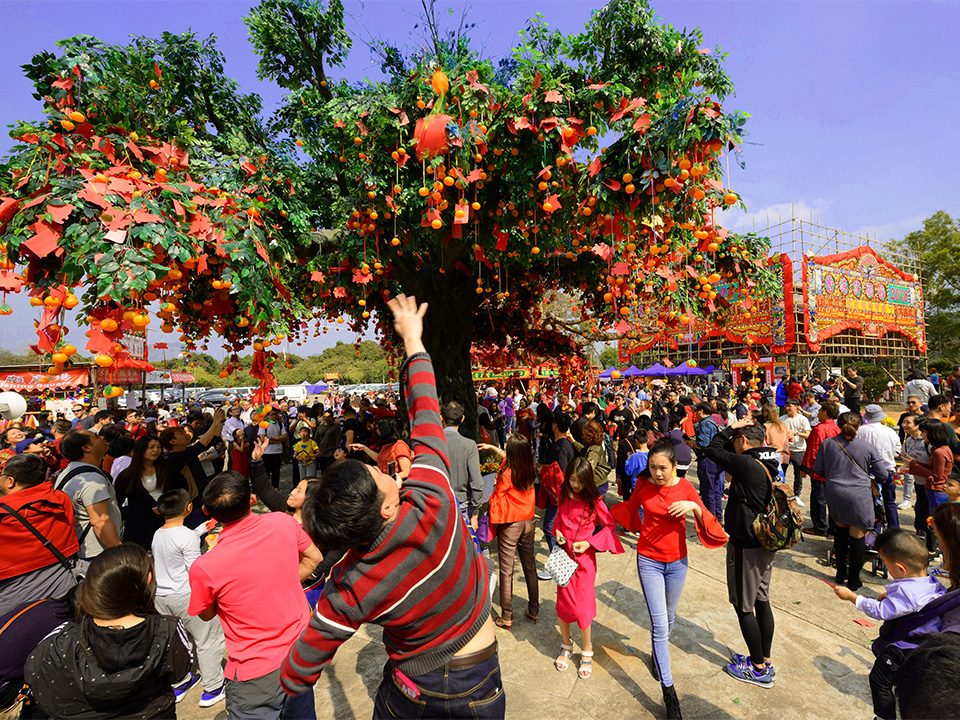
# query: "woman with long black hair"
146,478
512,510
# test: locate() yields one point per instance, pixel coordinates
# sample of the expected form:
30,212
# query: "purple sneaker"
737,658
745,672
209,699
184,687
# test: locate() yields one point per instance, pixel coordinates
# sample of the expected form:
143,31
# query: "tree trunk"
448,335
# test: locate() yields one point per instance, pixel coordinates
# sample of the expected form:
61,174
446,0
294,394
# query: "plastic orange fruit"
439,82
67,125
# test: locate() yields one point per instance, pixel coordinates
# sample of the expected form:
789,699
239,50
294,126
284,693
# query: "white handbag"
560,566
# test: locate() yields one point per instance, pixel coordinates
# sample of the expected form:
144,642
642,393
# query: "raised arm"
218,417
262,488
419,384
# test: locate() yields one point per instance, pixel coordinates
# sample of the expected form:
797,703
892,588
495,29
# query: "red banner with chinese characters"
30,380
859,290
769,322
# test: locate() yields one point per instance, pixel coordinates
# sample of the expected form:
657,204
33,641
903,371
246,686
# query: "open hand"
259,445
408,321
219,415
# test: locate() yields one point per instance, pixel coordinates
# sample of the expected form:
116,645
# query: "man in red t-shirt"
251,580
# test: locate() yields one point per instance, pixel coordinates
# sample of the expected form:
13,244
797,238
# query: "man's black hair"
26,470
121,446
62,426
172,503
103,415
195,415
704,408
924,689
562,421
754,433
589,407
937,401
342,511
227,497
452,413
73,443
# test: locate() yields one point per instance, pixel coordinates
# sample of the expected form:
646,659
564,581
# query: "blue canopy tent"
656,369
685,369
632,371
316,389
608,373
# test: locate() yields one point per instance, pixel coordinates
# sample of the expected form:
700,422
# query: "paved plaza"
821,655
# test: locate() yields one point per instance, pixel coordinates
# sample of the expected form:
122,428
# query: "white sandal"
563,659
586,664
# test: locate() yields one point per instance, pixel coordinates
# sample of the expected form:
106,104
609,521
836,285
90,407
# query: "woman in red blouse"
657,509
512,506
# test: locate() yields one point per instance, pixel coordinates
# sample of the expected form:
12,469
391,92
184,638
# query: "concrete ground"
821,655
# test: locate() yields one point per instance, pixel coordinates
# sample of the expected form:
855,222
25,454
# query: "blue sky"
854,104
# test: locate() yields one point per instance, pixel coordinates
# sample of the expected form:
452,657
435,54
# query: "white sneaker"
544,575
905,505
800,502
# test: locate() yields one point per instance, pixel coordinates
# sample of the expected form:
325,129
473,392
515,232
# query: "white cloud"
773,214
894,230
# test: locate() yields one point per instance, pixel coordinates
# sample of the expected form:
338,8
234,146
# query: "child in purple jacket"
906,558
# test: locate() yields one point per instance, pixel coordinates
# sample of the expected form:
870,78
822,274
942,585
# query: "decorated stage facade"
844,297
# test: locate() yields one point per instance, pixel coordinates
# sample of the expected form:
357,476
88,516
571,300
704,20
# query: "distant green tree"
936,248
608,356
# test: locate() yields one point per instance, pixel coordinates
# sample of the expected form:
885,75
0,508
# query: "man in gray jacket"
464,457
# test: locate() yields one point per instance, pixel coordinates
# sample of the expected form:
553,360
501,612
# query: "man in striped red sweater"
410,567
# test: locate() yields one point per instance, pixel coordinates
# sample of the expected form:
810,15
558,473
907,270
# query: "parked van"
291,392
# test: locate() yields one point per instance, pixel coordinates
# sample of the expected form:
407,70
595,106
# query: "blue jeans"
549,518
888,491
662,584
711,486
934,498
475,692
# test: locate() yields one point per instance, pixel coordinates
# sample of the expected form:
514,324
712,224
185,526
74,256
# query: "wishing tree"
588,164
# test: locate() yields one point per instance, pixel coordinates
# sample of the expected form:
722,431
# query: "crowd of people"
135,567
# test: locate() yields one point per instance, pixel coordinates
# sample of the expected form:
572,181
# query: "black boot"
841,547
671,702
858,553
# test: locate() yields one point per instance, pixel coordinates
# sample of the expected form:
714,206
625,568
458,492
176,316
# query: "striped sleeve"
313,651
423,409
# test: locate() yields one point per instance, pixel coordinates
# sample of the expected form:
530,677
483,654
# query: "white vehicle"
291,392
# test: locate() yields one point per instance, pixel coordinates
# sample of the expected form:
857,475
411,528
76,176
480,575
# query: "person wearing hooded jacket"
751,467
119,659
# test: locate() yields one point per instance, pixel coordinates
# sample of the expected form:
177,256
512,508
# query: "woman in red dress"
584,527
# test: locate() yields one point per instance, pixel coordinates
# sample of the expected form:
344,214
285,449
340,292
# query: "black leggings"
757,630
